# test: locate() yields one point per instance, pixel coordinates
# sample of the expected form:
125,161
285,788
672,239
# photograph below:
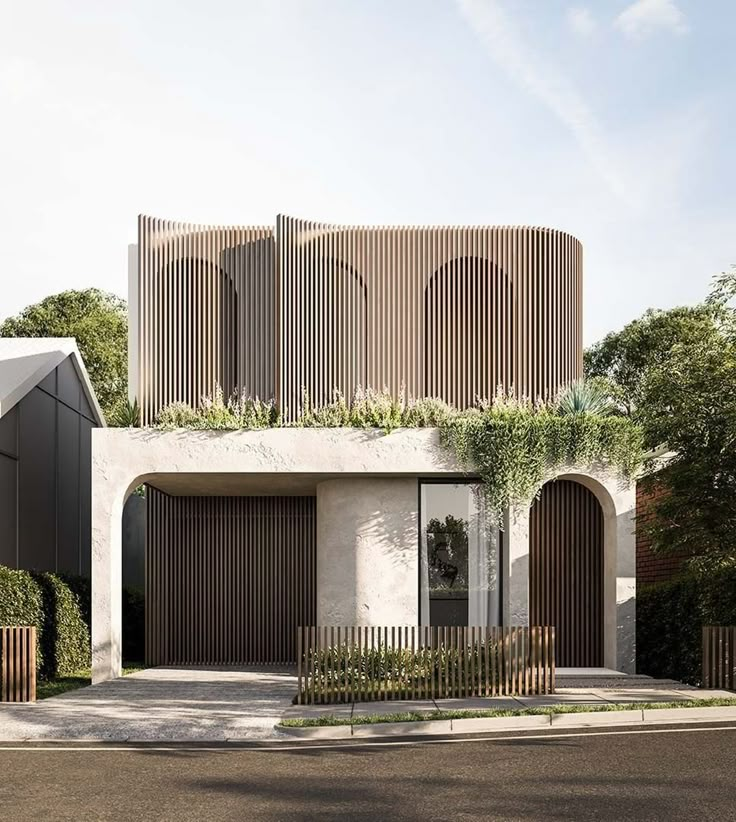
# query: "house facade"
47,412
251,533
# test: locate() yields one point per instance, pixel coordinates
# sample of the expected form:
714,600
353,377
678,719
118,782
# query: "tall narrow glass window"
460,558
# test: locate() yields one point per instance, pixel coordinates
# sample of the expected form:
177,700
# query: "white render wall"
367,552
367,514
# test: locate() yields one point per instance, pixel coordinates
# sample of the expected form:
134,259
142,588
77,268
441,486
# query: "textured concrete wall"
367,552
365,479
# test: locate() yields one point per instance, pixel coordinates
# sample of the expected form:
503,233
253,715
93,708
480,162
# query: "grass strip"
79,679
491,713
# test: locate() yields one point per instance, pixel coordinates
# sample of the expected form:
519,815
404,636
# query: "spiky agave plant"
585,397
127,416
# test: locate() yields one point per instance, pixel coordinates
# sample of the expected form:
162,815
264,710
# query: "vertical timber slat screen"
409,662
445,311
18,663
719,657
566,571
228,579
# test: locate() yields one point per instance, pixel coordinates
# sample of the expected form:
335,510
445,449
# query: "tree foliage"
625,357
510,444
691,406
98,322
676,371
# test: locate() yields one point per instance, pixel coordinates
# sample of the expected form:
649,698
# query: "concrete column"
368,552
107,512
516,566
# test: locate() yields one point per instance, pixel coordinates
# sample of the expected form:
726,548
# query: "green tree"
99,323
623,358
690,406
676,373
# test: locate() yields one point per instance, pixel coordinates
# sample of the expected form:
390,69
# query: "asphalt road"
671,775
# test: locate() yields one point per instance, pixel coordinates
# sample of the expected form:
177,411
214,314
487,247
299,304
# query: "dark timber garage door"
228,579
566,571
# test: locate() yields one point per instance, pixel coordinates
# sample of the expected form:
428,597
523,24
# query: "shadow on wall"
474,295
626,635
134,541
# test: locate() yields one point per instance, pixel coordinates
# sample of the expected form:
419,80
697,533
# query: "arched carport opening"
566,571
469,331
230,570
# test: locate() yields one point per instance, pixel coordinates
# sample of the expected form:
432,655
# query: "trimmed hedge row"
670,617
59,605
46,601
133,608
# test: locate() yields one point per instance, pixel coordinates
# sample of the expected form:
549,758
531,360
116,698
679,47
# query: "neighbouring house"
47,412
652,568
252,533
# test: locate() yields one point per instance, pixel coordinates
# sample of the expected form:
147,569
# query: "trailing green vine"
510,444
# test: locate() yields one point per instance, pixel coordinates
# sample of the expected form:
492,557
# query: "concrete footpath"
159,705
632,690
234,705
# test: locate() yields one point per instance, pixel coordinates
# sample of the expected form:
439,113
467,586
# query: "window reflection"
460,558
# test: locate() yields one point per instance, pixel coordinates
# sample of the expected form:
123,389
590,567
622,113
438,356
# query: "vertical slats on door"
566,571
228,579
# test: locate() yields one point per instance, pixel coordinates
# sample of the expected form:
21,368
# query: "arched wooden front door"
566,571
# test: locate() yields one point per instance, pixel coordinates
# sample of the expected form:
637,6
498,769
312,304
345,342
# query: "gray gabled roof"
25,361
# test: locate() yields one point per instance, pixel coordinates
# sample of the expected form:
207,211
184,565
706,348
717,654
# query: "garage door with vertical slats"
566,571
228,579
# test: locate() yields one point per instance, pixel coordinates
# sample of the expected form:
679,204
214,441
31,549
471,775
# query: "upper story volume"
439,311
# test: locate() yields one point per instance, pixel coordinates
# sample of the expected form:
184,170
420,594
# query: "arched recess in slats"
468,331
566,571
196,343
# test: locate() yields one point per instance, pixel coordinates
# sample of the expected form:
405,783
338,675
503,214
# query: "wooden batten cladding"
566,571
228,579
452,312
207,312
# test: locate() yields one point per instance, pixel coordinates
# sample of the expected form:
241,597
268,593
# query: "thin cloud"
524,65
645,17
581,21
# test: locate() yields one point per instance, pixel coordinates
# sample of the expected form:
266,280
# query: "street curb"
471,725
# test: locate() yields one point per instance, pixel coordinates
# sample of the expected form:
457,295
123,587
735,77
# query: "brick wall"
651,568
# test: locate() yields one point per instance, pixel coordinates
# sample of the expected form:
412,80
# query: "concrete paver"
159,703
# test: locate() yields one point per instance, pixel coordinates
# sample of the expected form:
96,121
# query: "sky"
609,119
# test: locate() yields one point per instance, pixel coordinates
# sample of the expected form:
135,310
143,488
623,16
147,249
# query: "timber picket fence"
358,663
719,657
18,663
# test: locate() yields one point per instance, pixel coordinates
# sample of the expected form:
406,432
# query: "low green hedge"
133,607
46,601
670,617
59,605
65,638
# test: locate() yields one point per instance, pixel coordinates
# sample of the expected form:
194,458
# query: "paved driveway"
159,703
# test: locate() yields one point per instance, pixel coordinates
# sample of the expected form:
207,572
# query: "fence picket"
719,657
428,662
